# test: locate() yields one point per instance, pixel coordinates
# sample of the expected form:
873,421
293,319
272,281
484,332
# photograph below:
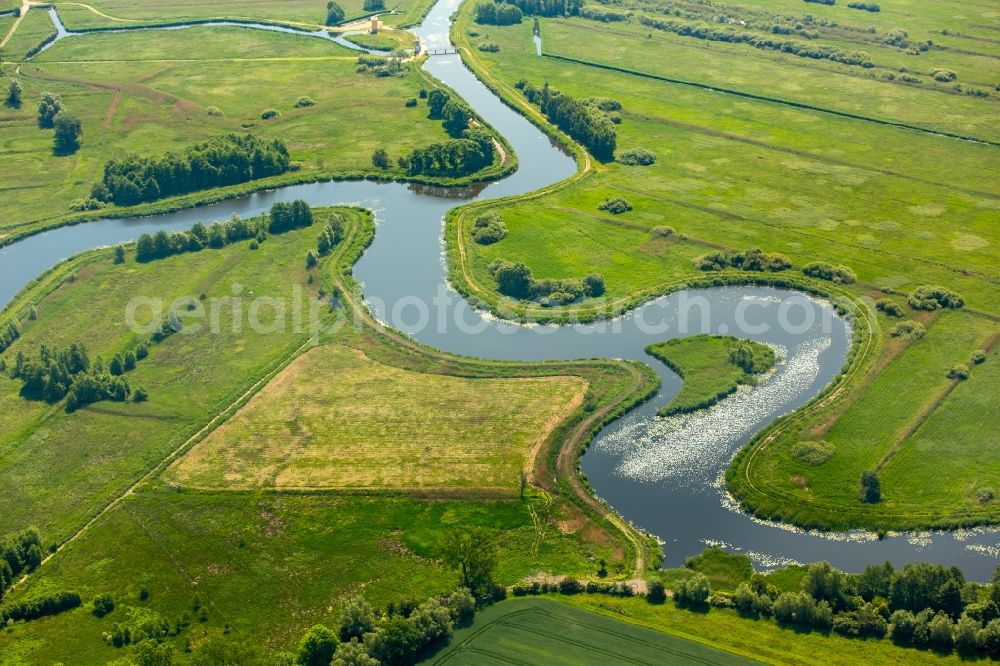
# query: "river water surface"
661,474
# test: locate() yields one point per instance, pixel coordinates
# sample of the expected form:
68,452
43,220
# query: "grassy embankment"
301,13
151,96
295,554
900,207
709,369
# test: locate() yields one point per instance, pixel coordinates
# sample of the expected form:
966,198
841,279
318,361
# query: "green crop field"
151,96
900,207
541,631
304,13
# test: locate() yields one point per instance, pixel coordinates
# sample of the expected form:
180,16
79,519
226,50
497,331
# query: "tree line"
584,120
744,260
283,216
220,161
814,51
19,555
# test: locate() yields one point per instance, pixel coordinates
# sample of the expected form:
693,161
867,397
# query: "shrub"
214,111
871,488
304,101
959,371
812,453
489,47
102,604
747,260
119,254
694,591
943,75
615,206
911,330
570,586
637,157
978,356
488,229
663,231
865,6
656,593
267,114
380,158
411,102
889,307
593,285
825,271
930,297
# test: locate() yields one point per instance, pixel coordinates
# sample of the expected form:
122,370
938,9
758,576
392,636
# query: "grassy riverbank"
822,187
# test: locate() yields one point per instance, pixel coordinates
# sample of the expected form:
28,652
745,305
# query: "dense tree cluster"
221,161
285,216
39,606
746,260
19,555
548,7
497,13
585,121
825,271
924,604
488,229
767,42
398,637
163,244
514,279
930,297
454,158
8,334
68,373
334,13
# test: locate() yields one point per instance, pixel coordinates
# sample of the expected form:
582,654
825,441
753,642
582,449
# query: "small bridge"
448,51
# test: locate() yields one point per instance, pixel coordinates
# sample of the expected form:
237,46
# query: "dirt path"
99,12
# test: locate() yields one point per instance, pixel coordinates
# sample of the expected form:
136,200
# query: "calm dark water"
661,474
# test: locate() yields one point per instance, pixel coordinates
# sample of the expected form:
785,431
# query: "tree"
48,108
694,591
14,94
380,158
317,647
456,117
436,101
513,279
102,604
119,254
353,654
356,619
334,15
68,133
871,488
875,581
824,583
473,551
656,594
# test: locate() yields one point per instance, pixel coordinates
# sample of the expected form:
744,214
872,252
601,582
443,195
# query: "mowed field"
304,13
900,207
334,418
152,96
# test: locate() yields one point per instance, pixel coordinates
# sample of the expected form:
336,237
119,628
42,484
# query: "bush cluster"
586,122
746,260
379,66
488,228
604,15
889,307
865,6
637,157
908,330
218,162
615,206
514,279
930,297
489,47
825,271
572,586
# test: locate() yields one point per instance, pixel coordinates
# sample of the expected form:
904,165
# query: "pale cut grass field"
337,419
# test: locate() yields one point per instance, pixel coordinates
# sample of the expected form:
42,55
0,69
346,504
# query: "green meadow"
303,13
900,207
151,96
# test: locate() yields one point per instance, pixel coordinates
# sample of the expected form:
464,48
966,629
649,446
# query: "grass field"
33,29
376,426
542,631
307,13
152,96
270,566
737,172
709,372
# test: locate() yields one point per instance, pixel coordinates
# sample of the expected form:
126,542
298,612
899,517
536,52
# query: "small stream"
661,474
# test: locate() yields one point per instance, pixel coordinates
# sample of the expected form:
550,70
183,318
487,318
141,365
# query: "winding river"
661,474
